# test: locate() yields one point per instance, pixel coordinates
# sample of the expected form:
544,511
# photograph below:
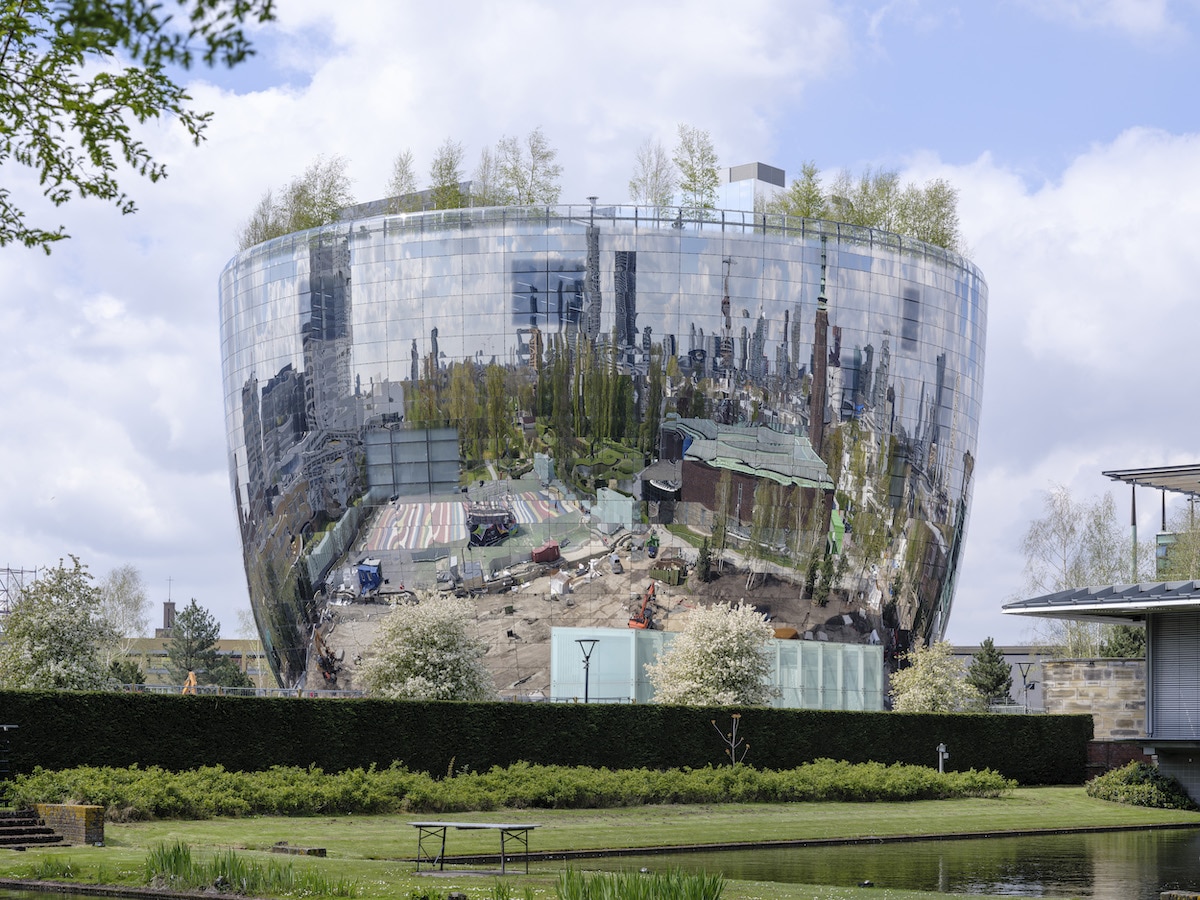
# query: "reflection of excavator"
327,660
644,617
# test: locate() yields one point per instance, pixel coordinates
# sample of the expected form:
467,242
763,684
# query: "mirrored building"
802,392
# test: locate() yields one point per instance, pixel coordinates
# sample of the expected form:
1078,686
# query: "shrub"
134,793
1141,784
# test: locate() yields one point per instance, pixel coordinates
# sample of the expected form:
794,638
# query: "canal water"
1127,865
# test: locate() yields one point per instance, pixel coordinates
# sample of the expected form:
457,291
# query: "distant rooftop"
1177,479
1112,603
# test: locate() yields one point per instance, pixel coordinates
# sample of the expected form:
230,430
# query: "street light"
1026,684
586,646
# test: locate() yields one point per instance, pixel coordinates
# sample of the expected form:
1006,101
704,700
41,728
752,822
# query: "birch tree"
696,160
654,180
529,173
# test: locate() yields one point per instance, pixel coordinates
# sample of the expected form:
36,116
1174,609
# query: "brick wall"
1104,756
1113,691
77,824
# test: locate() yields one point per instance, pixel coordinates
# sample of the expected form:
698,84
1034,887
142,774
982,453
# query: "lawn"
377,850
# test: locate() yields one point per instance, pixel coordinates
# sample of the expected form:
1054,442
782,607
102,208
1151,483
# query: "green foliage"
78,74
308,201
876,199
255,733
671,885
172,866
131,794
445,176
704,563
990,674
1123,642
527,171
696,160
1141,784
193,646
126,671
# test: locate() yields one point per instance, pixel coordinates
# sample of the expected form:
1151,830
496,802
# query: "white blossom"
721,658
423,652
54,636
934,681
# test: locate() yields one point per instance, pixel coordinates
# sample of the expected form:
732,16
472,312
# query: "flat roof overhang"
1114,603
1178,479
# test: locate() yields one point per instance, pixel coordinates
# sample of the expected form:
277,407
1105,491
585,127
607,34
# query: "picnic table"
431,837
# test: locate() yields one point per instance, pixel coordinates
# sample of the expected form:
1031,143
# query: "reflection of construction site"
640,578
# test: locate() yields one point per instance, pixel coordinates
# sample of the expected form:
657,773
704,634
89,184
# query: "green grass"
374,851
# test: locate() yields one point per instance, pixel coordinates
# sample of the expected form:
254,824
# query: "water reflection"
1109,866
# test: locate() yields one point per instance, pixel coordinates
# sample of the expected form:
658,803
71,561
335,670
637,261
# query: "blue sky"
1068,126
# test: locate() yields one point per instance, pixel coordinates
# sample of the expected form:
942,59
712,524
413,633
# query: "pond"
1126,865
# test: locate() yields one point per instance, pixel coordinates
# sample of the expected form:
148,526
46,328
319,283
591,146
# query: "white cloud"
114,439
1139,19
1090,356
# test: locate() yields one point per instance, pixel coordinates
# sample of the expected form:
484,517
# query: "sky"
1068,127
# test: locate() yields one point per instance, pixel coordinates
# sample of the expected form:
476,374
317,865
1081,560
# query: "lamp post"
1025,668
586,646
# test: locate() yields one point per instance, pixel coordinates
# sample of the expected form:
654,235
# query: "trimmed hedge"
61,730
143,793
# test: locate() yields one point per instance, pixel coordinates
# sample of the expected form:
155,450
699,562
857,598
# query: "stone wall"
76,823
1113,691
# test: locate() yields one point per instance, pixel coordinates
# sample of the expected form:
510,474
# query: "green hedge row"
147,793
60,730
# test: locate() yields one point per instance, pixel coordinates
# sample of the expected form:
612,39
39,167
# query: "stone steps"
20,829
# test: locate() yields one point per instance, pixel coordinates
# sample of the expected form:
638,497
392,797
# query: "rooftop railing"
572,217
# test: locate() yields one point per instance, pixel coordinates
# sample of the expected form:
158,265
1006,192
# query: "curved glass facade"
805,392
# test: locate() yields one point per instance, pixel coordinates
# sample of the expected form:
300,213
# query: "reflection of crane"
644,617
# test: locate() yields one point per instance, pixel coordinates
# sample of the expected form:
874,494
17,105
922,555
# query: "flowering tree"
719,659
424,652
55,634
934,681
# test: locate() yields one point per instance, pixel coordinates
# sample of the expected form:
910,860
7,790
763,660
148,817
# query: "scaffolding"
12,584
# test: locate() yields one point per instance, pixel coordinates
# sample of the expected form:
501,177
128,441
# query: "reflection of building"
806,674
839,371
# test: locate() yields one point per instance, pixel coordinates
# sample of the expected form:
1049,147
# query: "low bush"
152,793
1141,784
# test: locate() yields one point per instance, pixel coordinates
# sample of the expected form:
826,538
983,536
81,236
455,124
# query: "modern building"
1163,707
816,385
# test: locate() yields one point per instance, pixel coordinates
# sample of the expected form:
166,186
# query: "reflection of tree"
652,416
464,409
496,401
1181,560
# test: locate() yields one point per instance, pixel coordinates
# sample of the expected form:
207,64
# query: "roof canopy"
1112,603
1180,479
